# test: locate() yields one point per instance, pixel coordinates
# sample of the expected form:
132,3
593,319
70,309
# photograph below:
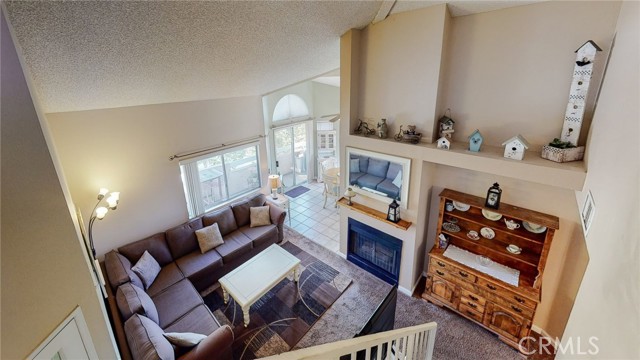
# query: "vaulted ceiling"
103,54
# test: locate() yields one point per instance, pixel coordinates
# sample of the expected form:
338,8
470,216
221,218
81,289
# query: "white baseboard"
344,256
405,290
542,332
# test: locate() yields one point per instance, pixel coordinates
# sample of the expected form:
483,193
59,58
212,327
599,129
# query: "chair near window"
331,186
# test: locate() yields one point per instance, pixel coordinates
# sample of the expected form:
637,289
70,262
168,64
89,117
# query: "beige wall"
607,306
326,99
400,69
44,270
509,71
128,149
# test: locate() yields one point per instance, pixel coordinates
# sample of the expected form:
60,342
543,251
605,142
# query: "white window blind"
217,177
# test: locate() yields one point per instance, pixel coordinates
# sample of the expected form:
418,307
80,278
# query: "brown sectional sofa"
174,294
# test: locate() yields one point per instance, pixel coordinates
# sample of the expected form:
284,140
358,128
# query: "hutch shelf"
502,308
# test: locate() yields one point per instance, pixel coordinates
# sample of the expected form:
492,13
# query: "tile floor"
309,218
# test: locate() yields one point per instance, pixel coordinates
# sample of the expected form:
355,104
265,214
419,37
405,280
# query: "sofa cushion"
198,320
235,245
147,268
378,168
397,181
155,244
133,300
225,219
216,346
241,210
168,276
182,238
393,171
259,216
119,270
353,178
146,341
388,188
196,262
364,162
369,181
177,300
184,339
209,237
260,235
354,165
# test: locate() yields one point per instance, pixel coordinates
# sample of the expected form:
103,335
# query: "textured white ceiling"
103,54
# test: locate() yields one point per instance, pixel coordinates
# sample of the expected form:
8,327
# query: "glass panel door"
291,151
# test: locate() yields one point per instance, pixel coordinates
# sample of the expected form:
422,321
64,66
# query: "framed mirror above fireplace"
379,176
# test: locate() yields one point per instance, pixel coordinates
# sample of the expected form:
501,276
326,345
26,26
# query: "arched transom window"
290,107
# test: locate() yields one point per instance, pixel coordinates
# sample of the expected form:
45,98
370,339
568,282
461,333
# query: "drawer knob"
472,304
463,274
470,313
473,298
439,273
491,287
441,264
516,309
519,299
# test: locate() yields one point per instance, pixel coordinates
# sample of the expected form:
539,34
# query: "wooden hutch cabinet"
503,308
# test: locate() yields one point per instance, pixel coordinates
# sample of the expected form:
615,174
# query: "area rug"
284,315
297,191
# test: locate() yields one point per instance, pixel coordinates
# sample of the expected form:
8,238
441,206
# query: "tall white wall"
45,273
127,149
607,306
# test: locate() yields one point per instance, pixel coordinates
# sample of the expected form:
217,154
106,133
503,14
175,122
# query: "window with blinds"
218,177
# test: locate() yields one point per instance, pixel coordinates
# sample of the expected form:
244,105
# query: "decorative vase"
382,129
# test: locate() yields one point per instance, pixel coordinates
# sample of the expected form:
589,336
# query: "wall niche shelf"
378,215
490,159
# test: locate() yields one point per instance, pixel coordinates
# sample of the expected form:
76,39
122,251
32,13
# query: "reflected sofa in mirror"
379,176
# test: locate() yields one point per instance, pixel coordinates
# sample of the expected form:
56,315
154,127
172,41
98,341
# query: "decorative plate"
491,215
487,233
516,250
473,235
534,228
451,227
461,206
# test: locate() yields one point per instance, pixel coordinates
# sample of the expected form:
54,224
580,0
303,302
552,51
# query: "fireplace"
374,251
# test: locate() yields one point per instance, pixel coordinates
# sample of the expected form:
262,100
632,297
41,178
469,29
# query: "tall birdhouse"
446,126
582,72
515,147
475,141
443,143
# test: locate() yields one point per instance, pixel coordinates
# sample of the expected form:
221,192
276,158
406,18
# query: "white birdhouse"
515,147
443,143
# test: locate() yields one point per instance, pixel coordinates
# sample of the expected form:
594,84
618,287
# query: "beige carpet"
456,337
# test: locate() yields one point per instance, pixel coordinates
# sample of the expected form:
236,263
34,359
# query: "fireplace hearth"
375,251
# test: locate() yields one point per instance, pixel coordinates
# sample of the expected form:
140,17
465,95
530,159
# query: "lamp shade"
274,181
349,193
101,212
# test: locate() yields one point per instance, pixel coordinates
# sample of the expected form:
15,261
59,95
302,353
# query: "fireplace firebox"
375,251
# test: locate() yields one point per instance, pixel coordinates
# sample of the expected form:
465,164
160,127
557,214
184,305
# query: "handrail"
415,342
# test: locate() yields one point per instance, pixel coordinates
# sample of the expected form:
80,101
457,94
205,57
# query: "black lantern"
493,196
393,214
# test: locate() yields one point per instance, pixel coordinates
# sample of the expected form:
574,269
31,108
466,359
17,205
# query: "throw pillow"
259,216
133,300
185,339
354,165
209,237
147,339
147,268
398,180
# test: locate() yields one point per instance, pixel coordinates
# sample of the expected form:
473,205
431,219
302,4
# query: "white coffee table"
251,280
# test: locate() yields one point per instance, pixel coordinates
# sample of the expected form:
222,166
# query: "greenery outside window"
218,177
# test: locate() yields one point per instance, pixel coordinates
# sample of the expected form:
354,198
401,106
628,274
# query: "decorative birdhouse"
515,147
443,143
446,125
475,141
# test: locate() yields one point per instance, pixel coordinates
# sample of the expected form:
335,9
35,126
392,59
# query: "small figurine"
475,141
382,129
446,125
515,147
408,135
443,143
363,128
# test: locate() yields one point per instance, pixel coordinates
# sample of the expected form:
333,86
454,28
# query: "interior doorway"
292,152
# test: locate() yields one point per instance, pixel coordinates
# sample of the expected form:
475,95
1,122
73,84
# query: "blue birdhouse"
475,141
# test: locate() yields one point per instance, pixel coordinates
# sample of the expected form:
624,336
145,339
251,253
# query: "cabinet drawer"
472,304
473,297
440,268
470,312
442,273
441,265
464,275
511,297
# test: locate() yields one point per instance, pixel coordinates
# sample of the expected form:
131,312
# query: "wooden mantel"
378,215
